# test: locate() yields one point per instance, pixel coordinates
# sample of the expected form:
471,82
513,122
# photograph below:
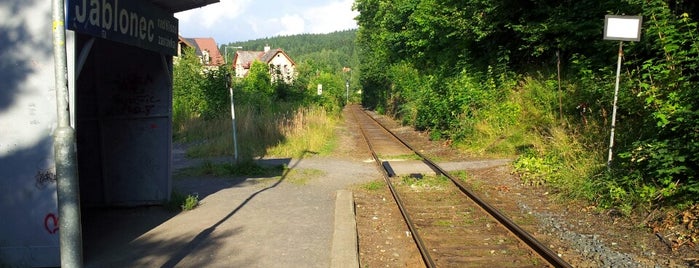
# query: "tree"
188,98
469,54
256,87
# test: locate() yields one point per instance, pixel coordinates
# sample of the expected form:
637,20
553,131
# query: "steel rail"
413,230
521,234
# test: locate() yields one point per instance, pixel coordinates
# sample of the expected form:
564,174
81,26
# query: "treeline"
301,47
535,78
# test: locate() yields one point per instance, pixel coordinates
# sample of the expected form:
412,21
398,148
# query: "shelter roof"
175,6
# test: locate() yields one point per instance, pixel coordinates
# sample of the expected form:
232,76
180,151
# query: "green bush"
181,202
198,92
190,202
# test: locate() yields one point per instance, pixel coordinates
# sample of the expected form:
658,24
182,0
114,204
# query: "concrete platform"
345,245
294,219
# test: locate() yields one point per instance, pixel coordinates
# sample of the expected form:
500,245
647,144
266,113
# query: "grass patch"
284,130
306,130
461,175
400,157
228,169
426,183
374,185
444,223
181,202
468,221
467,216
469,180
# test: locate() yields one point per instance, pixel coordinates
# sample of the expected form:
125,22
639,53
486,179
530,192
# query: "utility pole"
230,90
616,95
348,71
68,190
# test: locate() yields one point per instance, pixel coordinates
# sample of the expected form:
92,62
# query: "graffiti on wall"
33,114
132,96
44,178
51,223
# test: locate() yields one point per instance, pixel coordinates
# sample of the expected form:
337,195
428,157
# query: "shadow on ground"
125,237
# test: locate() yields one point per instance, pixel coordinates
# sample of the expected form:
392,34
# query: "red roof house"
281,65
206,49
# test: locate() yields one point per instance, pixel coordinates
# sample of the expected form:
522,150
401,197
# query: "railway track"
451,225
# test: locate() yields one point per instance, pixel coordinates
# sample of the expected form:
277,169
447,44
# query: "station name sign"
132,22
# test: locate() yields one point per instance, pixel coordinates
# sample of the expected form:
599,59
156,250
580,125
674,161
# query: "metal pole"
616,94
65,154
235,138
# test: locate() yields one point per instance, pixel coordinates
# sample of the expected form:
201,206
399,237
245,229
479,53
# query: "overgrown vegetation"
536,79
426,183
374,185
181,202
271,119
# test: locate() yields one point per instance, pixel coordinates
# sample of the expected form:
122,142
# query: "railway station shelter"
120,82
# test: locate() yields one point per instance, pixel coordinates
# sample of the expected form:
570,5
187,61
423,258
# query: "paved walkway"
287,221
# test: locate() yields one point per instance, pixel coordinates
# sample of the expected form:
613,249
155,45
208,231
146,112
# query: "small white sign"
320,89
622,28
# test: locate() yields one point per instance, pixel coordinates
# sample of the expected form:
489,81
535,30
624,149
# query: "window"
206,57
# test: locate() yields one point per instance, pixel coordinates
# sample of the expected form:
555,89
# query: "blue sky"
241,20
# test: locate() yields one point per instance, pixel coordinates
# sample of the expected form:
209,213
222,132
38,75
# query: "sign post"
235,134
621,28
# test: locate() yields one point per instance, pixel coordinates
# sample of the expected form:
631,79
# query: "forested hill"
301,46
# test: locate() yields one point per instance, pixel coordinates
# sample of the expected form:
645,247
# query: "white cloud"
291,24
334,16
214,15
238,20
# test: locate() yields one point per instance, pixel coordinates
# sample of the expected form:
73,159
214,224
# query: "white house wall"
279,60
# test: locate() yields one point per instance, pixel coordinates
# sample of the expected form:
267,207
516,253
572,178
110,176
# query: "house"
281,65
205,48
182,44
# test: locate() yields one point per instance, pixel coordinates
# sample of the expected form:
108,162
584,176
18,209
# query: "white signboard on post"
619,28
622,28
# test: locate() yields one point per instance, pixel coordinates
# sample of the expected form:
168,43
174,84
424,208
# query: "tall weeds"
281,131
